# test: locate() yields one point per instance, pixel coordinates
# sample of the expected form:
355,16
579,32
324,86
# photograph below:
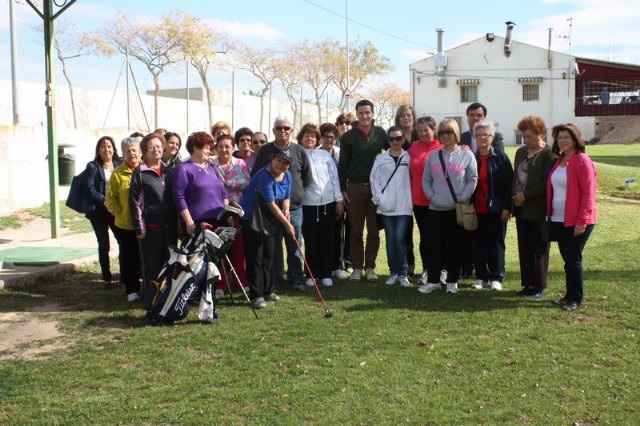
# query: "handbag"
465,213
262,221
78,199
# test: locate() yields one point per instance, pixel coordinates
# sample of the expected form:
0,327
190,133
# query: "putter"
327,312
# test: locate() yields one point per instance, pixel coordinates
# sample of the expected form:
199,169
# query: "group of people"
340,178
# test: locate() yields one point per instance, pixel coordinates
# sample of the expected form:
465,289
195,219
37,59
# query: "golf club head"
328,314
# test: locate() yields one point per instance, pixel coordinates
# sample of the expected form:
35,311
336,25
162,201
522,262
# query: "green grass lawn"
388,356
75,222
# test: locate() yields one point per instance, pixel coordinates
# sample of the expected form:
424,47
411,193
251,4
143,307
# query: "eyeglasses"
483,135
341,123
396,138
445,132
283,128
259,142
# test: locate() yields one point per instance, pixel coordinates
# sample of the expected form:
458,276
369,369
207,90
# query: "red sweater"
580,204
419,153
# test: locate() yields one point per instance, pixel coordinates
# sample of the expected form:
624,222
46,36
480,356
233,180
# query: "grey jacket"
463,172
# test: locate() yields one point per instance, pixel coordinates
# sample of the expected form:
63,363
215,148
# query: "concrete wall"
24,178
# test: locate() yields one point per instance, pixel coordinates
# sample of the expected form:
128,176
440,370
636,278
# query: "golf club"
241,285
327,312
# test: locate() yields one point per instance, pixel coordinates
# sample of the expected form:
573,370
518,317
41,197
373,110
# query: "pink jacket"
580,205
419,153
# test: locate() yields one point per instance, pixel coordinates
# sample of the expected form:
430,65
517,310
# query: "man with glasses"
300,174
358,150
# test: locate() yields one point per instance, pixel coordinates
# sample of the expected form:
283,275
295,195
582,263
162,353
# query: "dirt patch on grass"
23,335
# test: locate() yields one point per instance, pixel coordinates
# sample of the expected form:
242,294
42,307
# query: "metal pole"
14,59
346,22
126,64
233,97
187,63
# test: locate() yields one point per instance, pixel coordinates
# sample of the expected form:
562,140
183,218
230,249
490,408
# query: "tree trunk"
207,90
156,95
73,102
319,105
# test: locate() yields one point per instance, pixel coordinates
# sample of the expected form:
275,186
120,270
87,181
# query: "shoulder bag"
78,198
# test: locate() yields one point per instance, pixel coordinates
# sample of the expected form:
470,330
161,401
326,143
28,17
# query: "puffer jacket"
395,200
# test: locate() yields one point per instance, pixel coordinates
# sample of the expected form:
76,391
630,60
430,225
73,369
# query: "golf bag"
189,273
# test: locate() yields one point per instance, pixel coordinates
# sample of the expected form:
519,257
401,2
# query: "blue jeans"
571,251
395,230
294,258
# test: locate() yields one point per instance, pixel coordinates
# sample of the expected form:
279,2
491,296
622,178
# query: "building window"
468,94
530,92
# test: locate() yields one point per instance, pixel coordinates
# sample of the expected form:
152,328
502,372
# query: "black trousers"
154,249
101,220
489,248
571,251
532,252
258,252
421,213
318,231
444,231
128,258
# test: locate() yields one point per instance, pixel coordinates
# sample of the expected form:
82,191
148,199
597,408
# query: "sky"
402,30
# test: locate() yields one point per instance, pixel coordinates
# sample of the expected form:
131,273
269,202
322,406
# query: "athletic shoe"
219,292
561,301
327,282
423,278
452,288
370,275
132,297
443,276
340,274
247,289
428,288
496,285
527,291
309,282
272,297
571,306
478,284
356,275
108,285
538,296
404,281
392,279
258,303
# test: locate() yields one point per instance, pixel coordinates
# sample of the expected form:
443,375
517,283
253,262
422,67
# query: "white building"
514,79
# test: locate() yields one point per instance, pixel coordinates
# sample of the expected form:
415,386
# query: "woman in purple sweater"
198,190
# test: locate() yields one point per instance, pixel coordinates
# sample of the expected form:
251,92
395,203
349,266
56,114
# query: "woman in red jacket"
571,207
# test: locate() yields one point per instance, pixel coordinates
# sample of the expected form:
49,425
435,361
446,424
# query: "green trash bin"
66,168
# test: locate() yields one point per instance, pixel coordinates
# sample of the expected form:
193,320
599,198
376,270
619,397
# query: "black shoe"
561,302
571,306
527,291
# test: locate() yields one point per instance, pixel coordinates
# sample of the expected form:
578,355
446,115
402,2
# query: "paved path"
37,233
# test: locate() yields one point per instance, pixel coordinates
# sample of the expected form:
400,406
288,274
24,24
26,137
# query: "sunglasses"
259,142
396,138
340,123
283,128
445,132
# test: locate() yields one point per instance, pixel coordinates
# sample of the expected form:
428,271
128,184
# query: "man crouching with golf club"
266,205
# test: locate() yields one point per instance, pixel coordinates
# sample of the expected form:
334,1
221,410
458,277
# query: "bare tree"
261,63
288,72
157,44
68,46
364,62
201,44
316,69
387,97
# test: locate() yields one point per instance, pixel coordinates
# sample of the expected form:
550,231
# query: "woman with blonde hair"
449,177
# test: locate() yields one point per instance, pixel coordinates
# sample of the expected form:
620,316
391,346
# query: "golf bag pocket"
206,309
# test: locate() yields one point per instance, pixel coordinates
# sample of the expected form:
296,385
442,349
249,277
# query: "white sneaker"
370,275
219,292
327,282
423,278
428,288
356,275
478,284
309,282
404,281
452,288
443,276
132,297
259,303
340,274
496,285
272,297
392,279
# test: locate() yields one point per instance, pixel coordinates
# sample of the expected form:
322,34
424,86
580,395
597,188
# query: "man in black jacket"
475,113
299,170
